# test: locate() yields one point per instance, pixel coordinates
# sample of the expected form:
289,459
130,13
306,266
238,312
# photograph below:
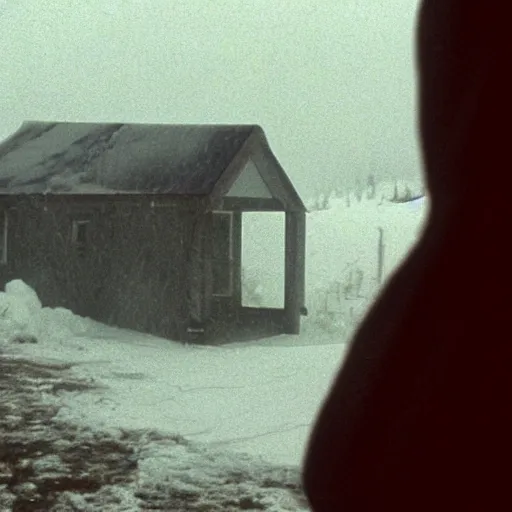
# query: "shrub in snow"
23,338
358,190
321,203
370,187
338,307
252,291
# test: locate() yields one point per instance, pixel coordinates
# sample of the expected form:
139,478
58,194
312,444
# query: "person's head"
462,57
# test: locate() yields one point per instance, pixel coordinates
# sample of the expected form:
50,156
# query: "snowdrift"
352,247
345,244
22,317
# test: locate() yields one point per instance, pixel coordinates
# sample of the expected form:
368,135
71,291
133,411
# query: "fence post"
380,256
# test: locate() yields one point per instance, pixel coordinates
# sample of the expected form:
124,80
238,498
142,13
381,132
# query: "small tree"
370,187
325,201
359,190
395,193
408,195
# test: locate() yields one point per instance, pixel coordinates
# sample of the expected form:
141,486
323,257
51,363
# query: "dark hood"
464,58
418,417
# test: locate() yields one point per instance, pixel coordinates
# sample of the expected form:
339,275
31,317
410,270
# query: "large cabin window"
3,236
222,260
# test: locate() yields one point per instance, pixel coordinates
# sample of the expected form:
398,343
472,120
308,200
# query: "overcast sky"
332,82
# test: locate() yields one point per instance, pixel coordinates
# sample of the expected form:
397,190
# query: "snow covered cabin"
139,225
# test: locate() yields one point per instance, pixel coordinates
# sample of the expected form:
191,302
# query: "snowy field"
253,402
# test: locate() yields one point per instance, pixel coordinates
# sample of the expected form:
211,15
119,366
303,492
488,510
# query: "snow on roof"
74,158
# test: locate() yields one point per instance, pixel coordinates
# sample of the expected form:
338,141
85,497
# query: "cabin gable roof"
67,158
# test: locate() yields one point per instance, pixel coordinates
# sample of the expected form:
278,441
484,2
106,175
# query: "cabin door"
222,254
263,259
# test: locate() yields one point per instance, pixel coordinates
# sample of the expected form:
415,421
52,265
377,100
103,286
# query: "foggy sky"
331,82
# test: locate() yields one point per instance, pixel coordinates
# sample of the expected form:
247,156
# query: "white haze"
332,82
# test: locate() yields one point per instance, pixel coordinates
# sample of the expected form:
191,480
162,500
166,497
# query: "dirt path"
48,465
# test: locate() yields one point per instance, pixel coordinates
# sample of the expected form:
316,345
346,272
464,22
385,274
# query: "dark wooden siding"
132,272
139,264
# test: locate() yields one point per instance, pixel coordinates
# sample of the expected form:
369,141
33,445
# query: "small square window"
79,235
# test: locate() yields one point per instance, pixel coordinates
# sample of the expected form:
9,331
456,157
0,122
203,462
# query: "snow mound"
352,249
22,316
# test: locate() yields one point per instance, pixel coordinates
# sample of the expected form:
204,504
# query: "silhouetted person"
420,415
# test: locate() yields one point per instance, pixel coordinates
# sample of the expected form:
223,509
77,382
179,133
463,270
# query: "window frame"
230,288
4,236
79,247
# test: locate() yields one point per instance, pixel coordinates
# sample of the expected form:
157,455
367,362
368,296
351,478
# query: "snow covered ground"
255,400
